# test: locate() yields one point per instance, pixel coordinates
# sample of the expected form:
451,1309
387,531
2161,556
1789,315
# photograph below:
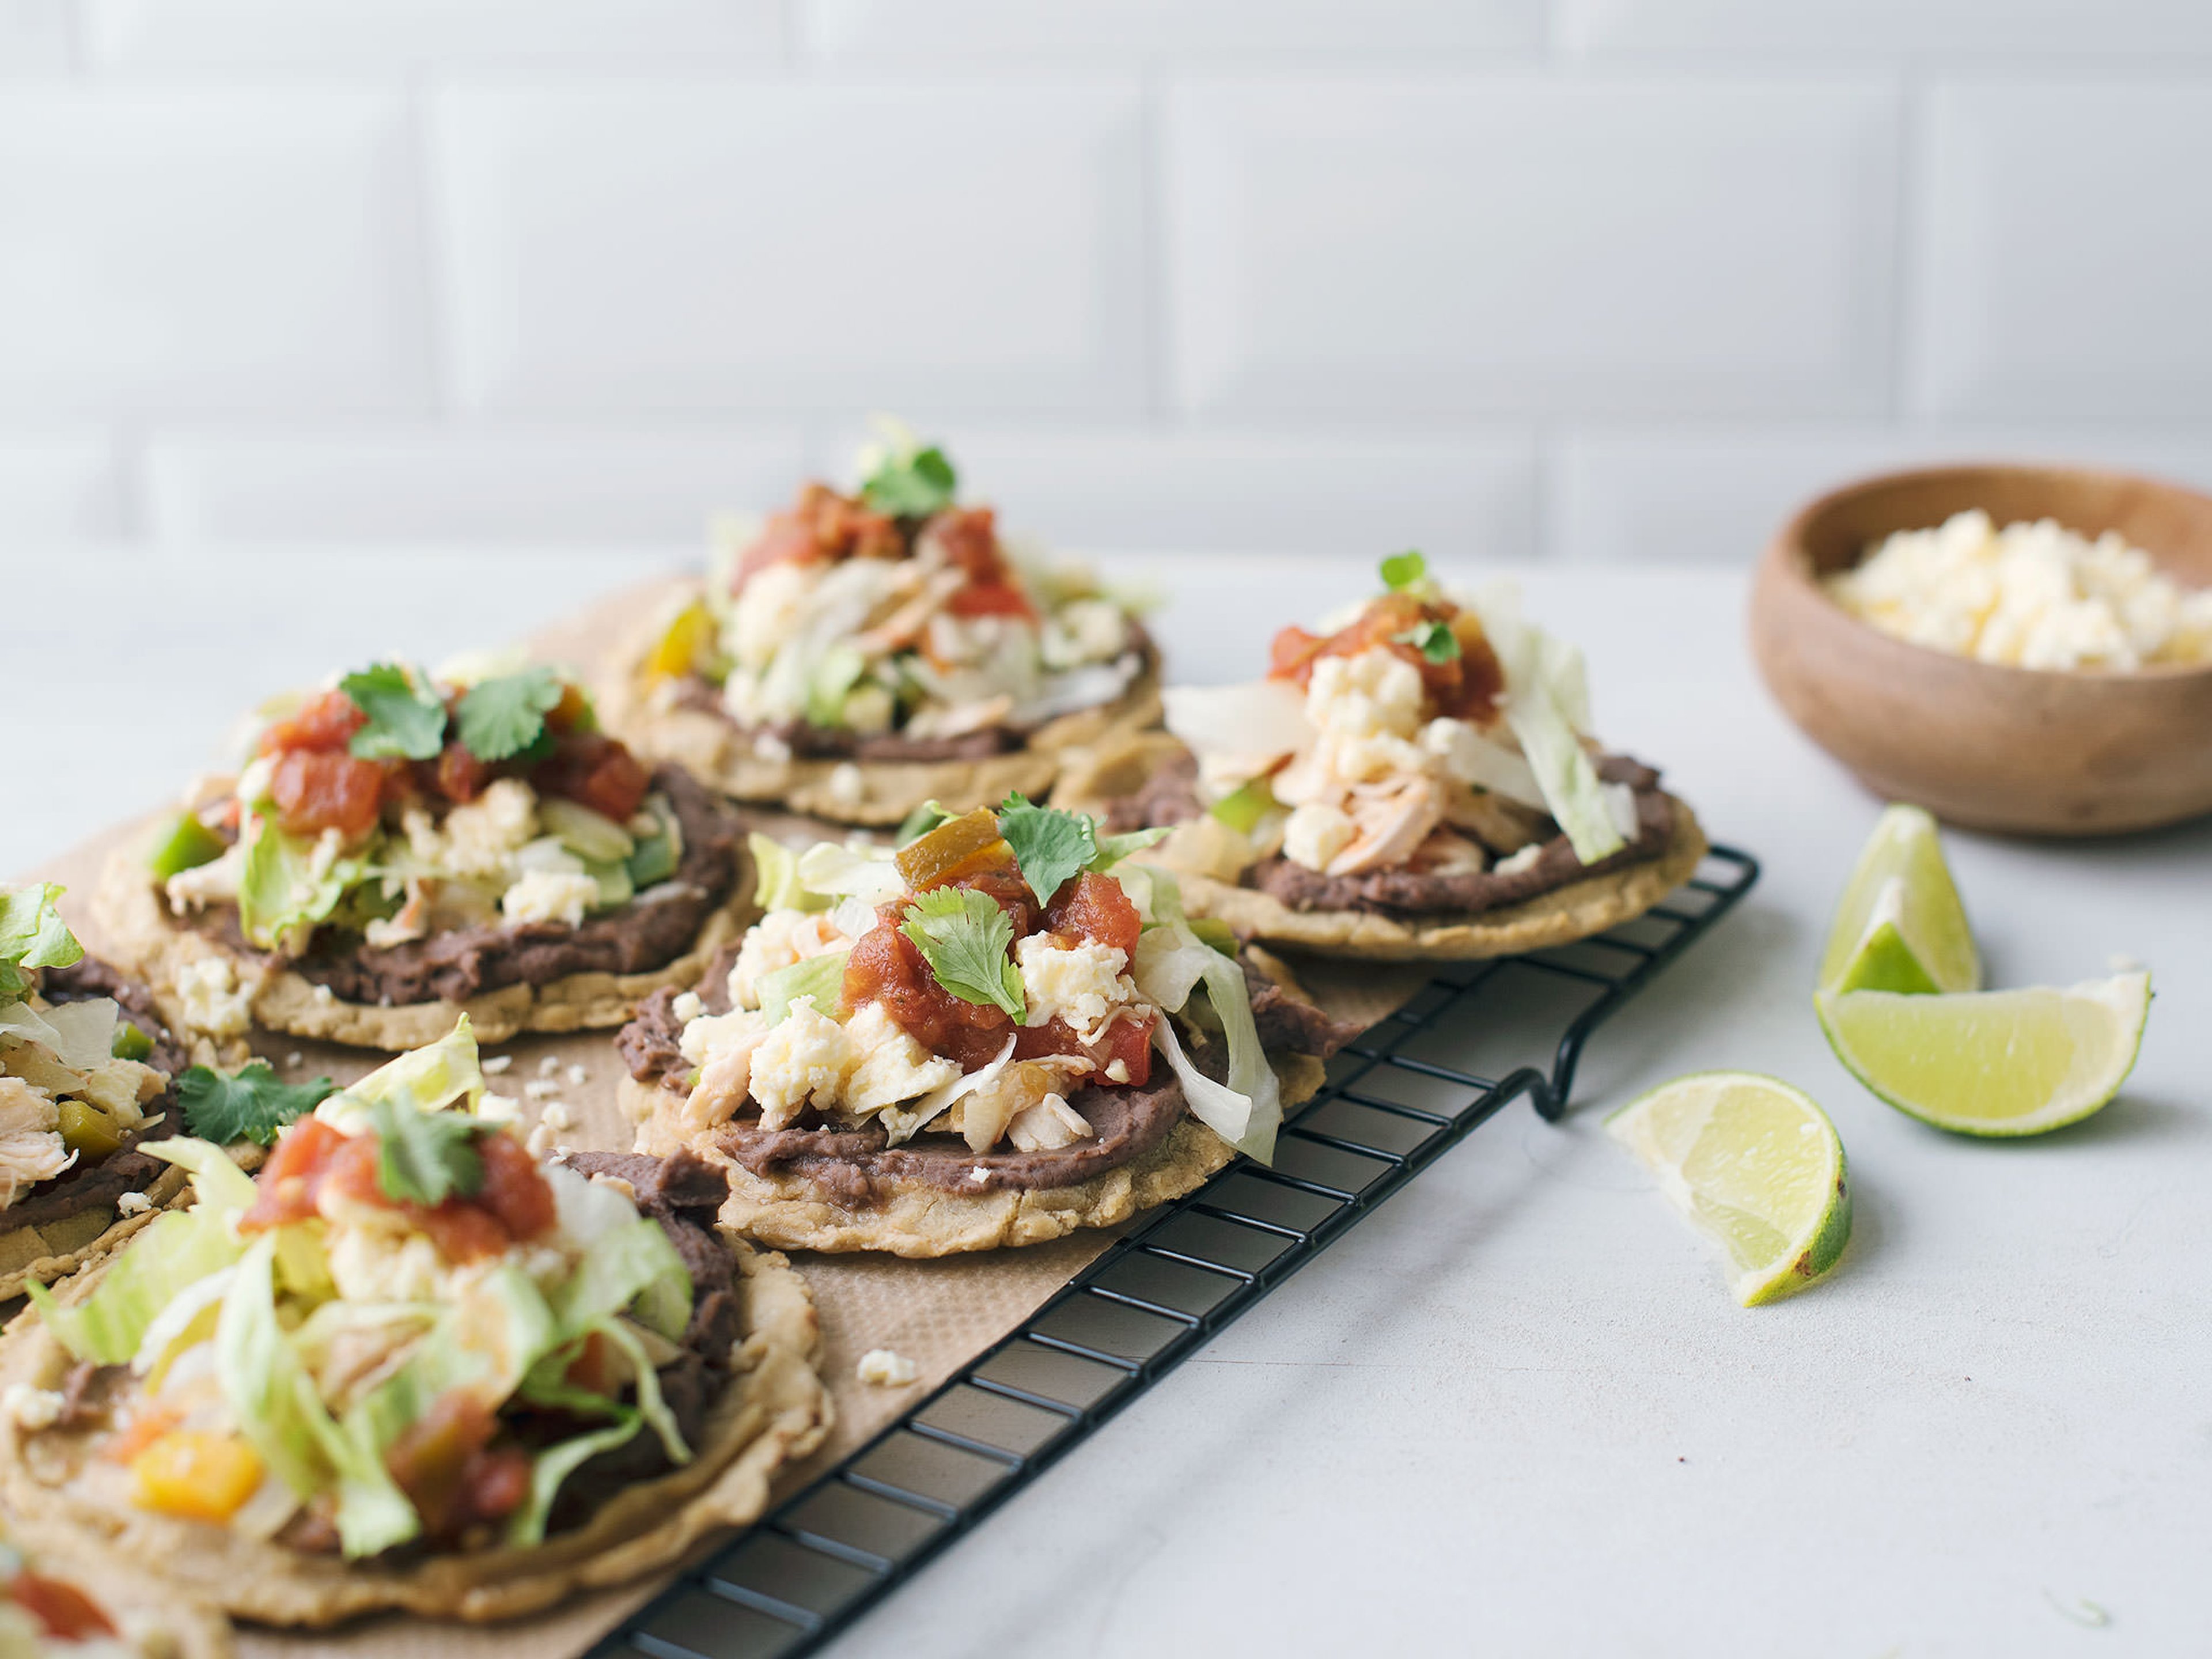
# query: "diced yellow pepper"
89,1131
683,644
196,1474
956,847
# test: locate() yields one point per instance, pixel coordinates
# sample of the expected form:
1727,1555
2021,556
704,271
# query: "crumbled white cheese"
33,1408
324,994
1084,631
130,1204
483,835
2029,596
214,1002
889,1066
577,1077
1117,1071
499,1109
1047,1126
847,786
294,1061
979,1175
1373,692
1084,985
805,1060
879,1368
493,1065
1315,833
688,1006
1513,864
559,896
601,1178
539,1141
548,1064
214,883
557,1115
541,1088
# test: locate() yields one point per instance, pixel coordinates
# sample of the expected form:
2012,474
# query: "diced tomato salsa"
445,1463
513,1204
66,1613
318,785
1467,687
822,527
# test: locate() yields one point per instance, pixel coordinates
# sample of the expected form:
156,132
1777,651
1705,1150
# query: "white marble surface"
1515,1411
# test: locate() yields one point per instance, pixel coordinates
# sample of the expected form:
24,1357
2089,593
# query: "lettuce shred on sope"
321,1350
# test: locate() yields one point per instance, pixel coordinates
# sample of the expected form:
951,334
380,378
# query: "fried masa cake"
404,848
88,1070
1001,1034
411,1367
1418,779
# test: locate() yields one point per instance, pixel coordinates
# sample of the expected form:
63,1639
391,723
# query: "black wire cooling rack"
1411,1088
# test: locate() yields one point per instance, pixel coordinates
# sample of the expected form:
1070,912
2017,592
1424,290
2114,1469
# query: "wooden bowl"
2025,750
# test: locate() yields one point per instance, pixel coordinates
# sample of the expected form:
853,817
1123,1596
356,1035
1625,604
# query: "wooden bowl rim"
1792,560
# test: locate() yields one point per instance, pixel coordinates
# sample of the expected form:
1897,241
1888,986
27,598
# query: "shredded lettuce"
776,885
172,1254
274,1402
554,1465
221,1185
820,977
1547,705
866,873
425,1079
286,888
650,1405
33,935
1172,961
1258,722
630,1262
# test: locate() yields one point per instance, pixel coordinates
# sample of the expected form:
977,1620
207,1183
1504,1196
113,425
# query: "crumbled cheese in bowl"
2027,596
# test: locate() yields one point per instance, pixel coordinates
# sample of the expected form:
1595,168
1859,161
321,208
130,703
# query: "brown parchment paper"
939,1314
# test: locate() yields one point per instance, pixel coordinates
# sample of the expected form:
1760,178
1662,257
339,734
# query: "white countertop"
1515,1411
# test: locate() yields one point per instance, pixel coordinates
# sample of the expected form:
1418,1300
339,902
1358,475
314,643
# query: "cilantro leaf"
1403,571
1049,844
425,1157
33,935
251,1104
964,936
500,717
1434,640
406,718
912,484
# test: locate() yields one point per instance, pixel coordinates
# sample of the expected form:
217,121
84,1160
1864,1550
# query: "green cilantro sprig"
965,937
911,483
406,716
1051,845
252,1104
1433,639
425,1157
1401,571
505,716
33,935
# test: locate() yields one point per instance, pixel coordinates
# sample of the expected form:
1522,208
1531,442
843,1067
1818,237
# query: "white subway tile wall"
1592,279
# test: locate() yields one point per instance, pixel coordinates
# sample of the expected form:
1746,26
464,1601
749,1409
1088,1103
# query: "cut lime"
1754,1164
1900,925
1995,1062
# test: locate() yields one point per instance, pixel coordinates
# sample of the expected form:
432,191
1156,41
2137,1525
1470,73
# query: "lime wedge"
1755,1165
1900,925
1995,1062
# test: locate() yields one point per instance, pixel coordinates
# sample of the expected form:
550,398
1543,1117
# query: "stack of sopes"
414,1364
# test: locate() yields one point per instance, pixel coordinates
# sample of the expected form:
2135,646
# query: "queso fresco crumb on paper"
2027,596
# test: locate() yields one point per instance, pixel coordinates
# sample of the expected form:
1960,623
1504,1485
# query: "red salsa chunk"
513,1204
1464,687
